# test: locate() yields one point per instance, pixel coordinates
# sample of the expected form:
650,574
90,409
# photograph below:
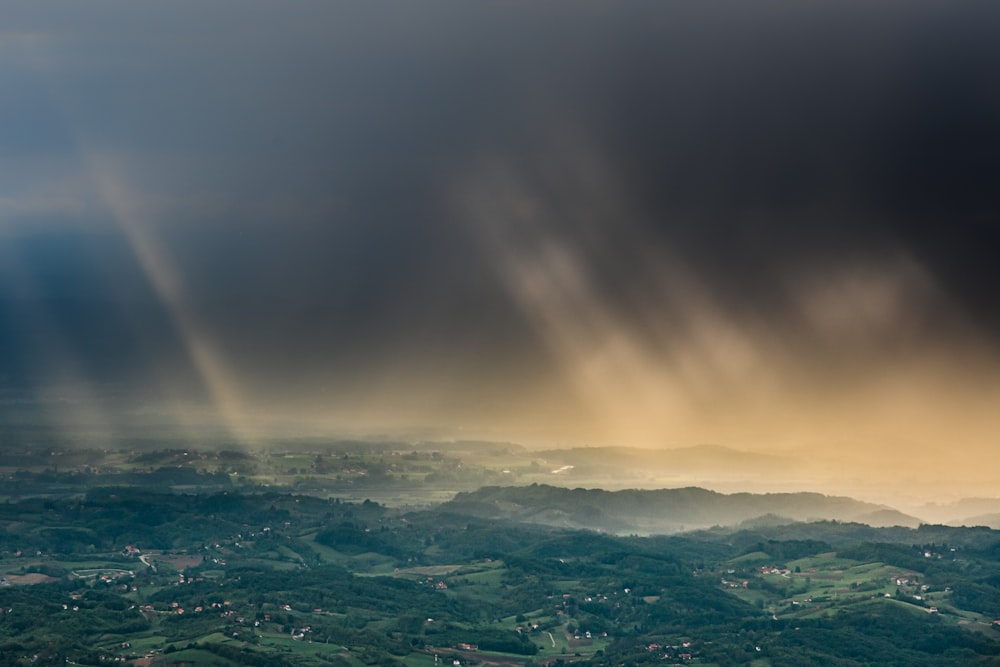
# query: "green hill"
663,510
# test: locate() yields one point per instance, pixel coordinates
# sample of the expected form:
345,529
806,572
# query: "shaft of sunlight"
168,286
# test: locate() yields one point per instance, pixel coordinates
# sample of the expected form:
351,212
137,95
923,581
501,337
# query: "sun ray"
168,286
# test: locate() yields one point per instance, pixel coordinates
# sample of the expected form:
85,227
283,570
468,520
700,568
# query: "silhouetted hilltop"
663,510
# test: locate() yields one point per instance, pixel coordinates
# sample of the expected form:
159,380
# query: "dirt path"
145,561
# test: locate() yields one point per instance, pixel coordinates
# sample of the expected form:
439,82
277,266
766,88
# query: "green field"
249,574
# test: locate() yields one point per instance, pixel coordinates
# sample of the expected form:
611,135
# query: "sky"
770,226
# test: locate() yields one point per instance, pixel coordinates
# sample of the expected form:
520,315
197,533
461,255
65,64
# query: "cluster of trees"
363,576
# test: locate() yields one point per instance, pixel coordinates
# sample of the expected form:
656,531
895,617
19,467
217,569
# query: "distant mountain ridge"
662,510
964,512
713,458
991,520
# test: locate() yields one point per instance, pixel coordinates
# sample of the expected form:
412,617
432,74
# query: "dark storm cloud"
305,175
840,131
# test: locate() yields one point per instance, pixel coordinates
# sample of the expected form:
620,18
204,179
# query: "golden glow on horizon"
851,365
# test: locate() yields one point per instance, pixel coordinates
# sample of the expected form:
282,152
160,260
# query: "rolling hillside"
661,511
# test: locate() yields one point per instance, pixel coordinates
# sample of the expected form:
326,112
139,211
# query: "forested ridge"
231,577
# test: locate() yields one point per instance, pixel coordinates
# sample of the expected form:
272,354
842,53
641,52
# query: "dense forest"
234,573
